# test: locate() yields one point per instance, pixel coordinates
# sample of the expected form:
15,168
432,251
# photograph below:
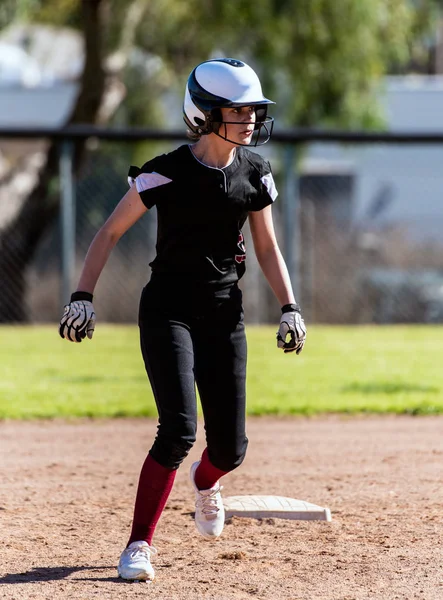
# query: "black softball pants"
195,341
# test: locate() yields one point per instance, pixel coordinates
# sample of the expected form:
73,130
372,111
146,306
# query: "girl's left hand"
292,325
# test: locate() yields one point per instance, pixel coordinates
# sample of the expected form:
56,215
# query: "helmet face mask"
263,127
225,83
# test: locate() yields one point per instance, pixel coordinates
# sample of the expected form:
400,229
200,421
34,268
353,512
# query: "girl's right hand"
78,320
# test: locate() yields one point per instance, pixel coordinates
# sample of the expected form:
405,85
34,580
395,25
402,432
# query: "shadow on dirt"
55,574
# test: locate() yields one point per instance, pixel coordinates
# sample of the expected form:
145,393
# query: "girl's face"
238,124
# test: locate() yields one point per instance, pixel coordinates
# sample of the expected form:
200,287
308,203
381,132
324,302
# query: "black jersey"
201,211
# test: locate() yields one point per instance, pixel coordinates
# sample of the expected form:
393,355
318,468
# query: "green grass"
389,369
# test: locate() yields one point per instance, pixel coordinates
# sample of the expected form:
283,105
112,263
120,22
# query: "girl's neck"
213,153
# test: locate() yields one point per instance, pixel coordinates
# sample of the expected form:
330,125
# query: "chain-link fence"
371,222
360,226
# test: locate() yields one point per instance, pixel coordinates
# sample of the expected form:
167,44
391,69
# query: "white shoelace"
208,501
148,551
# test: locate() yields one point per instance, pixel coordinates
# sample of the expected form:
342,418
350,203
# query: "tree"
37,211
320,60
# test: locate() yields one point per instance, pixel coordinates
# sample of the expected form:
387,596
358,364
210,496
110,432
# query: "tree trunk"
20,238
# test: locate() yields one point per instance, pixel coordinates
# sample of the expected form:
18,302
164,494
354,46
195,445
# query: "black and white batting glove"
291,335
78,320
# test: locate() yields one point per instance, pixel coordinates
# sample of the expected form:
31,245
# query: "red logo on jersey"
241,256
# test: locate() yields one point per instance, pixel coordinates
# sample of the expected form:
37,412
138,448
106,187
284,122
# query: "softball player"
191,316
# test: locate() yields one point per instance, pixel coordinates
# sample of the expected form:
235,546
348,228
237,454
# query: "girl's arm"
291,335
269,256
127,212
78,320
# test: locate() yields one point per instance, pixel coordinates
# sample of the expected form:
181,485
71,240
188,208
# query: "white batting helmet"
224,83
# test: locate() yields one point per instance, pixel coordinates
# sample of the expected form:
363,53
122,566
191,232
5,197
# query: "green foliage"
329,56
320,60
61,13
342,370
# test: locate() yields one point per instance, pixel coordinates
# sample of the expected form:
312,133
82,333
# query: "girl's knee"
172,446
228,458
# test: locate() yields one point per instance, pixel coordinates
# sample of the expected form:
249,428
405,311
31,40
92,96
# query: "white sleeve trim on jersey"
147,181
269,183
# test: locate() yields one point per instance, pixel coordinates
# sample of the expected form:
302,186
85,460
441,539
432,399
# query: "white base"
279,507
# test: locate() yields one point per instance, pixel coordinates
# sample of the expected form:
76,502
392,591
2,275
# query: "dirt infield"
68,489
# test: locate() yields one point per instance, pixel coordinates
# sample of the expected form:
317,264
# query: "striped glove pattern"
78,320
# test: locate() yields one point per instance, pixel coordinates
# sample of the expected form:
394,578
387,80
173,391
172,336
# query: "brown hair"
192,135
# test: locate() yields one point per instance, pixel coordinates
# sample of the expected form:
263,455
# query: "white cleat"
135,562
209,509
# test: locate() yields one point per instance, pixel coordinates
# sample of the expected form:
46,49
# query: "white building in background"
406,180
39,71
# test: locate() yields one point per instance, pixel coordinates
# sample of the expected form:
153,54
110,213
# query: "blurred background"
359,218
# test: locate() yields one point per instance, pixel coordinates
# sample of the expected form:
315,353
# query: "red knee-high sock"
154,487
206,475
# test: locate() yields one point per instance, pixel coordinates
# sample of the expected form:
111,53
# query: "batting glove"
78,320
292,325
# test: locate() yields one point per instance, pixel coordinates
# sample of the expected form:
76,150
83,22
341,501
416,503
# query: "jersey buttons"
221,181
